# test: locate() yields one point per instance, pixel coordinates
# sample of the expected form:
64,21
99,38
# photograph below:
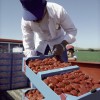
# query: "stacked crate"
11,75
19,80
5,71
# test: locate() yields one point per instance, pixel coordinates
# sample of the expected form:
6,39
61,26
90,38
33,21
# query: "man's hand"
59,48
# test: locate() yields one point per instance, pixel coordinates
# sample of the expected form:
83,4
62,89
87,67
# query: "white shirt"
56,28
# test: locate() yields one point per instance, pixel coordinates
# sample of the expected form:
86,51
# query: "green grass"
91,56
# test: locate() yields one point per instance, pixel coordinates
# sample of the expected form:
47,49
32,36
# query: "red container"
90,68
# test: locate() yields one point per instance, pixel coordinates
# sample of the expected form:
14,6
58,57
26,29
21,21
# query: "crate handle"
93,90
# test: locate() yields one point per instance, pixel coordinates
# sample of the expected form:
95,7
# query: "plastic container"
36,79
92,95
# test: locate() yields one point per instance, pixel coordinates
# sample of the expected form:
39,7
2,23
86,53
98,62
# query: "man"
70,53
50,23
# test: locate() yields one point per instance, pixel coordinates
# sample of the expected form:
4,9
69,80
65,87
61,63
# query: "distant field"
91,56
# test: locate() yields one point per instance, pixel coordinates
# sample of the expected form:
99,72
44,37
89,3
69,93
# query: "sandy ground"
11,95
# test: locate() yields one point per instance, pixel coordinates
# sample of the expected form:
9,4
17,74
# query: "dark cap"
33,9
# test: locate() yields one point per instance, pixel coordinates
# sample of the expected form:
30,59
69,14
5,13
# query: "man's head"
70,50
33,9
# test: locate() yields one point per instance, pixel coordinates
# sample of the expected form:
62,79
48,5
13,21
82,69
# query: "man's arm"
28,39
68,26
72,59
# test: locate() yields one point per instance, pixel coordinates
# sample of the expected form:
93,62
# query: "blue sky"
84,13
